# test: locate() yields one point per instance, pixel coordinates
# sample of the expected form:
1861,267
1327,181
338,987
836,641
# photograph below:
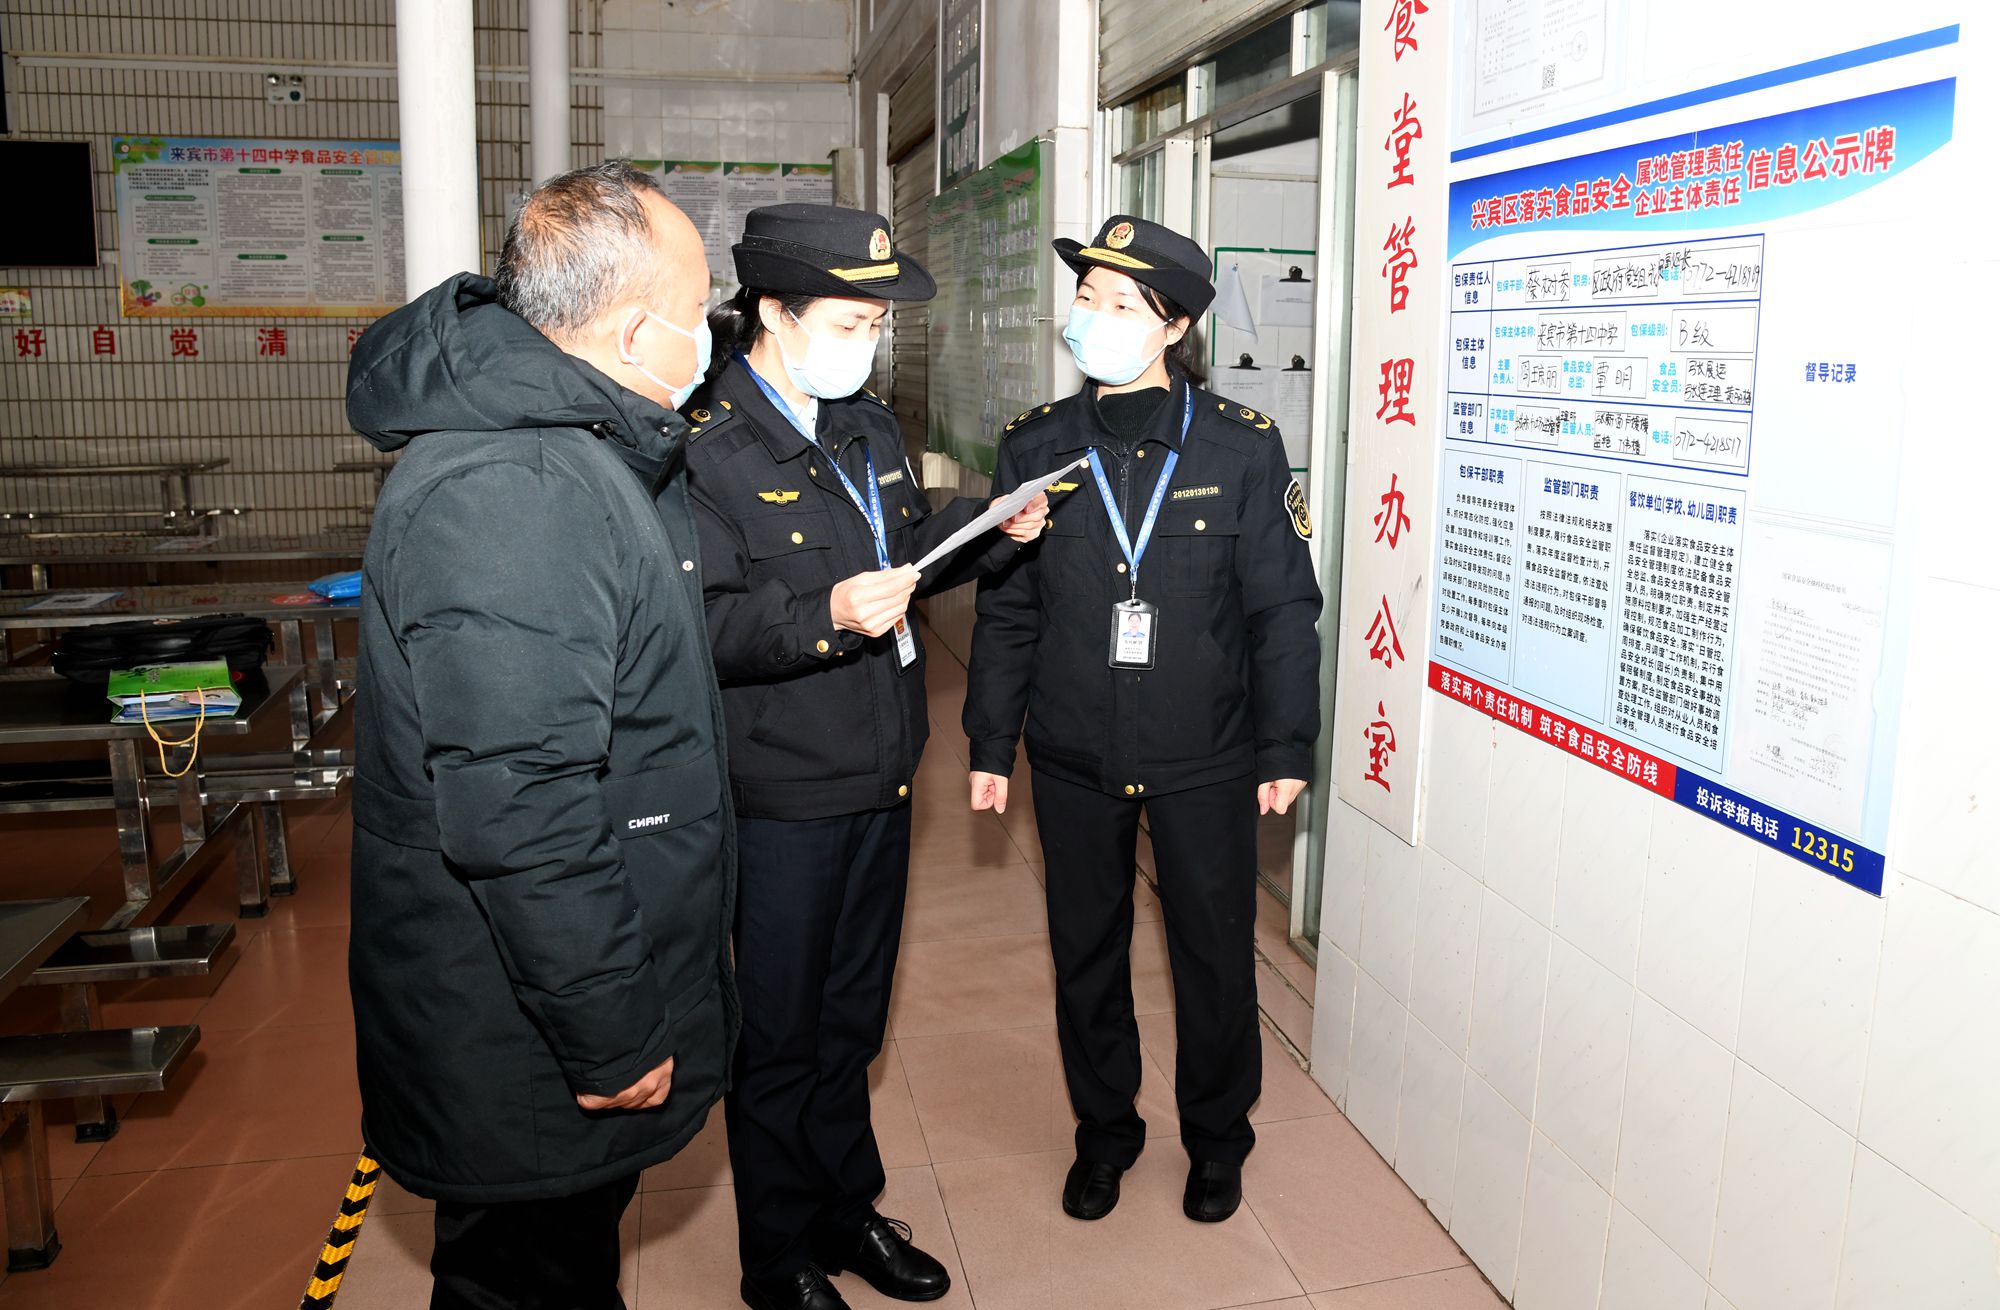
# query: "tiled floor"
219,1191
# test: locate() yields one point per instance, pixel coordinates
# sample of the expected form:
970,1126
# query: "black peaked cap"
1149,254
825,250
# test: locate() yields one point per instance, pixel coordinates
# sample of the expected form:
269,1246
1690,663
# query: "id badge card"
1134,628
906,643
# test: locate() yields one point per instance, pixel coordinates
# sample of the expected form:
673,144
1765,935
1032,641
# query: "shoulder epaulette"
877,399
1243,414
1028,416
705,419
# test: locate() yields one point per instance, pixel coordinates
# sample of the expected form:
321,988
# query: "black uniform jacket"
543,859
1235,685
821,722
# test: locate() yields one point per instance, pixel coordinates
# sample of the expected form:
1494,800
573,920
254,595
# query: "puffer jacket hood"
457,360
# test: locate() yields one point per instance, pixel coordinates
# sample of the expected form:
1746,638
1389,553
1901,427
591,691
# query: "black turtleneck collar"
1122,421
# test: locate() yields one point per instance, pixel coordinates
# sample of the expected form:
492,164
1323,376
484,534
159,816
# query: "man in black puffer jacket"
543,850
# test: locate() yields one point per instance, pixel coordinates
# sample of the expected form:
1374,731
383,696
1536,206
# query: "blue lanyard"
871,506
1134,552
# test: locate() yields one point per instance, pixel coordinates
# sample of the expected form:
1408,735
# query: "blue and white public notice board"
1669,497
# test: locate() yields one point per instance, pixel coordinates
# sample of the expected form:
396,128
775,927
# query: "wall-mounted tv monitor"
50,218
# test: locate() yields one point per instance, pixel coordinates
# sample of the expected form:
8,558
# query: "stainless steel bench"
122,955
66,1066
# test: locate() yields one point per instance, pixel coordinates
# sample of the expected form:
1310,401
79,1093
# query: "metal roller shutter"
1140,41
912,182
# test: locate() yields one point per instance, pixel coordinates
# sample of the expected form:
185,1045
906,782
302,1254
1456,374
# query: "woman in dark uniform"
810,519
1160,644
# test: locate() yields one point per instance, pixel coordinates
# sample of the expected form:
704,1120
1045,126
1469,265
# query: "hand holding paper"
1002,509
1028,524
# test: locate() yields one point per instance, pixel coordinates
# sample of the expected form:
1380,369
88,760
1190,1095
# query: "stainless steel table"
290,605
30,932
38,557
50,711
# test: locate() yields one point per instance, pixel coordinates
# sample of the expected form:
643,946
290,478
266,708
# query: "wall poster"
1669,502
988,243
958,99
222,227
715,195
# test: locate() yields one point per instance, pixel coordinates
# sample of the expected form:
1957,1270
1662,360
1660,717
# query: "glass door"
1267,349
1327,487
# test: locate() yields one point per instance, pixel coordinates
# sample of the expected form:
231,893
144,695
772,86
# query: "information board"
1260,337
987,242
1668,501
225,227
716,195
959,47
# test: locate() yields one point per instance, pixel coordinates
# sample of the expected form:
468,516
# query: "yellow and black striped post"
339,1246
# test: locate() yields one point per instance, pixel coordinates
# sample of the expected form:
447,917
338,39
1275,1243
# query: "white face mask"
833,367
1109,347
704,350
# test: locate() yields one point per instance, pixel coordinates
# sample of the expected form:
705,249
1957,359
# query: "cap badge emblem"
878,244
1119,237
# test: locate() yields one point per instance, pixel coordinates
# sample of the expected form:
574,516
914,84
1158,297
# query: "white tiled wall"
1640,1063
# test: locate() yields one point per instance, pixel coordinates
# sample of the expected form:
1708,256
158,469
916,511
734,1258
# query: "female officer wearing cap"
1160,644
810,517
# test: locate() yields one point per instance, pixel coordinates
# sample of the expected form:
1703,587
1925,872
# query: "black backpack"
89,655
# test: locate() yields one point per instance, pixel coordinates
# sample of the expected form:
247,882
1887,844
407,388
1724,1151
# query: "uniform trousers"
819,915
1205,850
561,1252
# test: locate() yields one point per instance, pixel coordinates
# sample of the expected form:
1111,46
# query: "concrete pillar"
548,88
434,96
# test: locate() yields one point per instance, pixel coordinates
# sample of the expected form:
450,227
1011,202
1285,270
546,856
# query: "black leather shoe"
1213,1191
1091,1190
805,1290
884,1255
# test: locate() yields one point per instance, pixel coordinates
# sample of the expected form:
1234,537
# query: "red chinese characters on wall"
1402,24
1402,320
1381,738
1384,646
1401,260
1398,376
1391,519
1403,133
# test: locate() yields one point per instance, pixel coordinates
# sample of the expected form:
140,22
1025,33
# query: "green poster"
986,246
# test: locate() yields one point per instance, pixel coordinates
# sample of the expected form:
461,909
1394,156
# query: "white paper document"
998,512
75,600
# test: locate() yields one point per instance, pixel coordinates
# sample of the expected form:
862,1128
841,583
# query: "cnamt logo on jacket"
650,821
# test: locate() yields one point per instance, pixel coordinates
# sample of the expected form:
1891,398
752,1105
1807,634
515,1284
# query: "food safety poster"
1669,497
214,227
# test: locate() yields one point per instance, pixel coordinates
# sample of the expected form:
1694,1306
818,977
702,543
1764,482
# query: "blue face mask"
704,351
1110,348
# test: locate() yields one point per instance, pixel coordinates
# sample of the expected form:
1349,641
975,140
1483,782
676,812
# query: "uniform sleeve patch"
1295,506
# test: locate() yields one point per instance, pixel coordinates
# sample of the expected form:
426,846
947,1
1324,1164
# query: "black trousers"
819,915
558,1254
1205,847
